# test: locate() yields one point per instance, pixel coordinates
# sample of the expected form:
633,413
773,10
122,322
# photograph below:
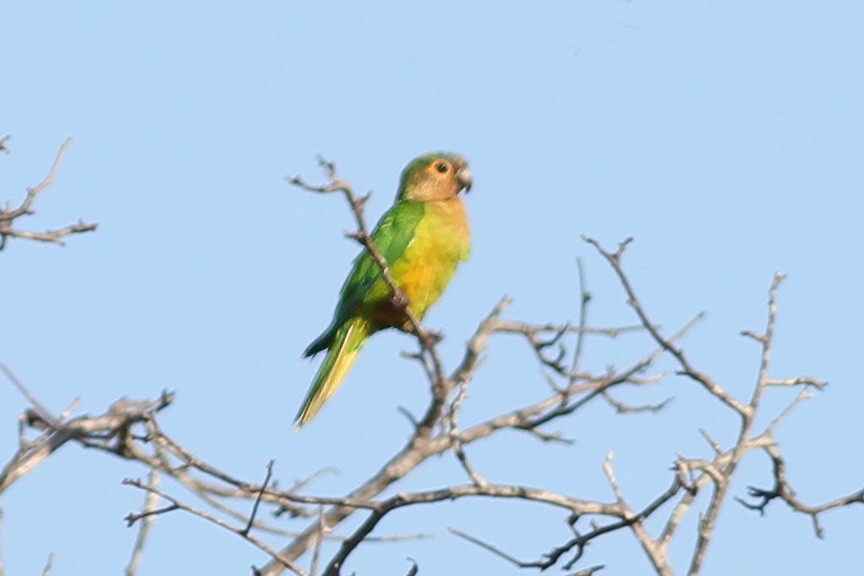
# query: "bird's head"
434,176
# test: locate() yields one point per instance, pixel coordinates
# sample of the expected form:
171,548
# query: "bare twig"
2,570
251,521
319,542
9,216
151,501
129,430
584,299
29,396
49,565
783,491
178,505
110,427
623,408
614,258
493,549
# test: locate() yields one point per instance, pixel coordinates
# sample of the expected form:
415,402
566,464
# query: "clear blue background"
727,138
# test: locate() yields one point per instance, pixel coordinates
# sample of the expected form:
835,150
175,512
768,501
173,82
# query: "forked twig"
10,215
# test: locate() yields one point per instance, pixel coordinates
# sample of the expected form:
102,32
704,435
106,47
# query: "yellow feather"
441,241
340,358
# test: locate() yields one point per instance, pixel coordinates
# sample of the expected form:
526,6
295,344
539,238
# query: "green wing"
391,237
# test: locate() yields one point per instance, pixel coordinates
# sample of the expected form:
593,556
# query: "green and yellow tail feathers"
342,353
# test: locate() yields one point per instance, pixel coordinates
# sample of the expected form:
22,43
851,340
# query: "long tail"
340,357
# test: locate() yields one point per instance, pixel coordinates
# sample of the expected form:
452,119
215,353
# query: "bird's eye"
442,167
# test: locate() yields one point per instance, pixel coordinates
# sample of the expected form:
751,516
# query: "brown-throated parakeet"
422,237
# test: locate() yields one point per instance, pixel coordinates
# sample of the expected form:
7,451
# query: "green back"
391,237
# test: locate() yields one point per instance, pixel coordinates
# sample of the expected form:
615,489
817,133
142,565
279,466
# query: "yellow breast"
441,241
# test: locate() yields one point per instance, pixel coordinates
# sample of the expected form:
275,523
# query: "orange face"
436,176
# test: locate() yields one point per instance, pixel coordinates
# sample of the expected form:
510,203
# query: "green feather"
391,238
346,345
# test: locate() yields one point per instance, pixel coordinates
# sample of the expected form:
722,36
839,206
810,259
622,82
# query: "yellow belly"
441,241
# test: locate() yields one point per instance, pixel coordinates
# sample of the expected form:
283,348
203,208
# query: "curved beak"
465,178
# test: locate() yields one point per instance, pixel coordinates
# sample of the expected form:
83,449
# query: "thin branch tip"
10,215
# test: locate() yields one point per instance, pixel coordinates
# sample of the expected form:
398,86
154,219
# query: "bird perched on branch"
422,238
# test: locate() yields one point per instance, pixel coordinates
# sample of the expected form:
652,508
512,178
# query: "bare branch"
178,505
34,402
258,498
9,216
130,430
151,501
584,299
614,258
2,570
112,426
494,550
610,476
784,492
622,408
798,381
49,565
766,340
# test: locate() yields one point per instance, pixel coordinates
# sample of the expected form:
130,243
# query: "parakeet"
423,237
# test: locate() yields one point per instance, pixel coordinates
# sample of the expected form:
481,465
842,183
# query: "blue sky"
727,138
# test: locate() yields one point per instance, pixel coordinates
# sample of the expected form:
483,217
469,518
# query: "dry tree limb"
2,570
8,216
151,502
49,565
28,395
687,369
110,429
176,504
129,430
423,442
783,491
435,433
